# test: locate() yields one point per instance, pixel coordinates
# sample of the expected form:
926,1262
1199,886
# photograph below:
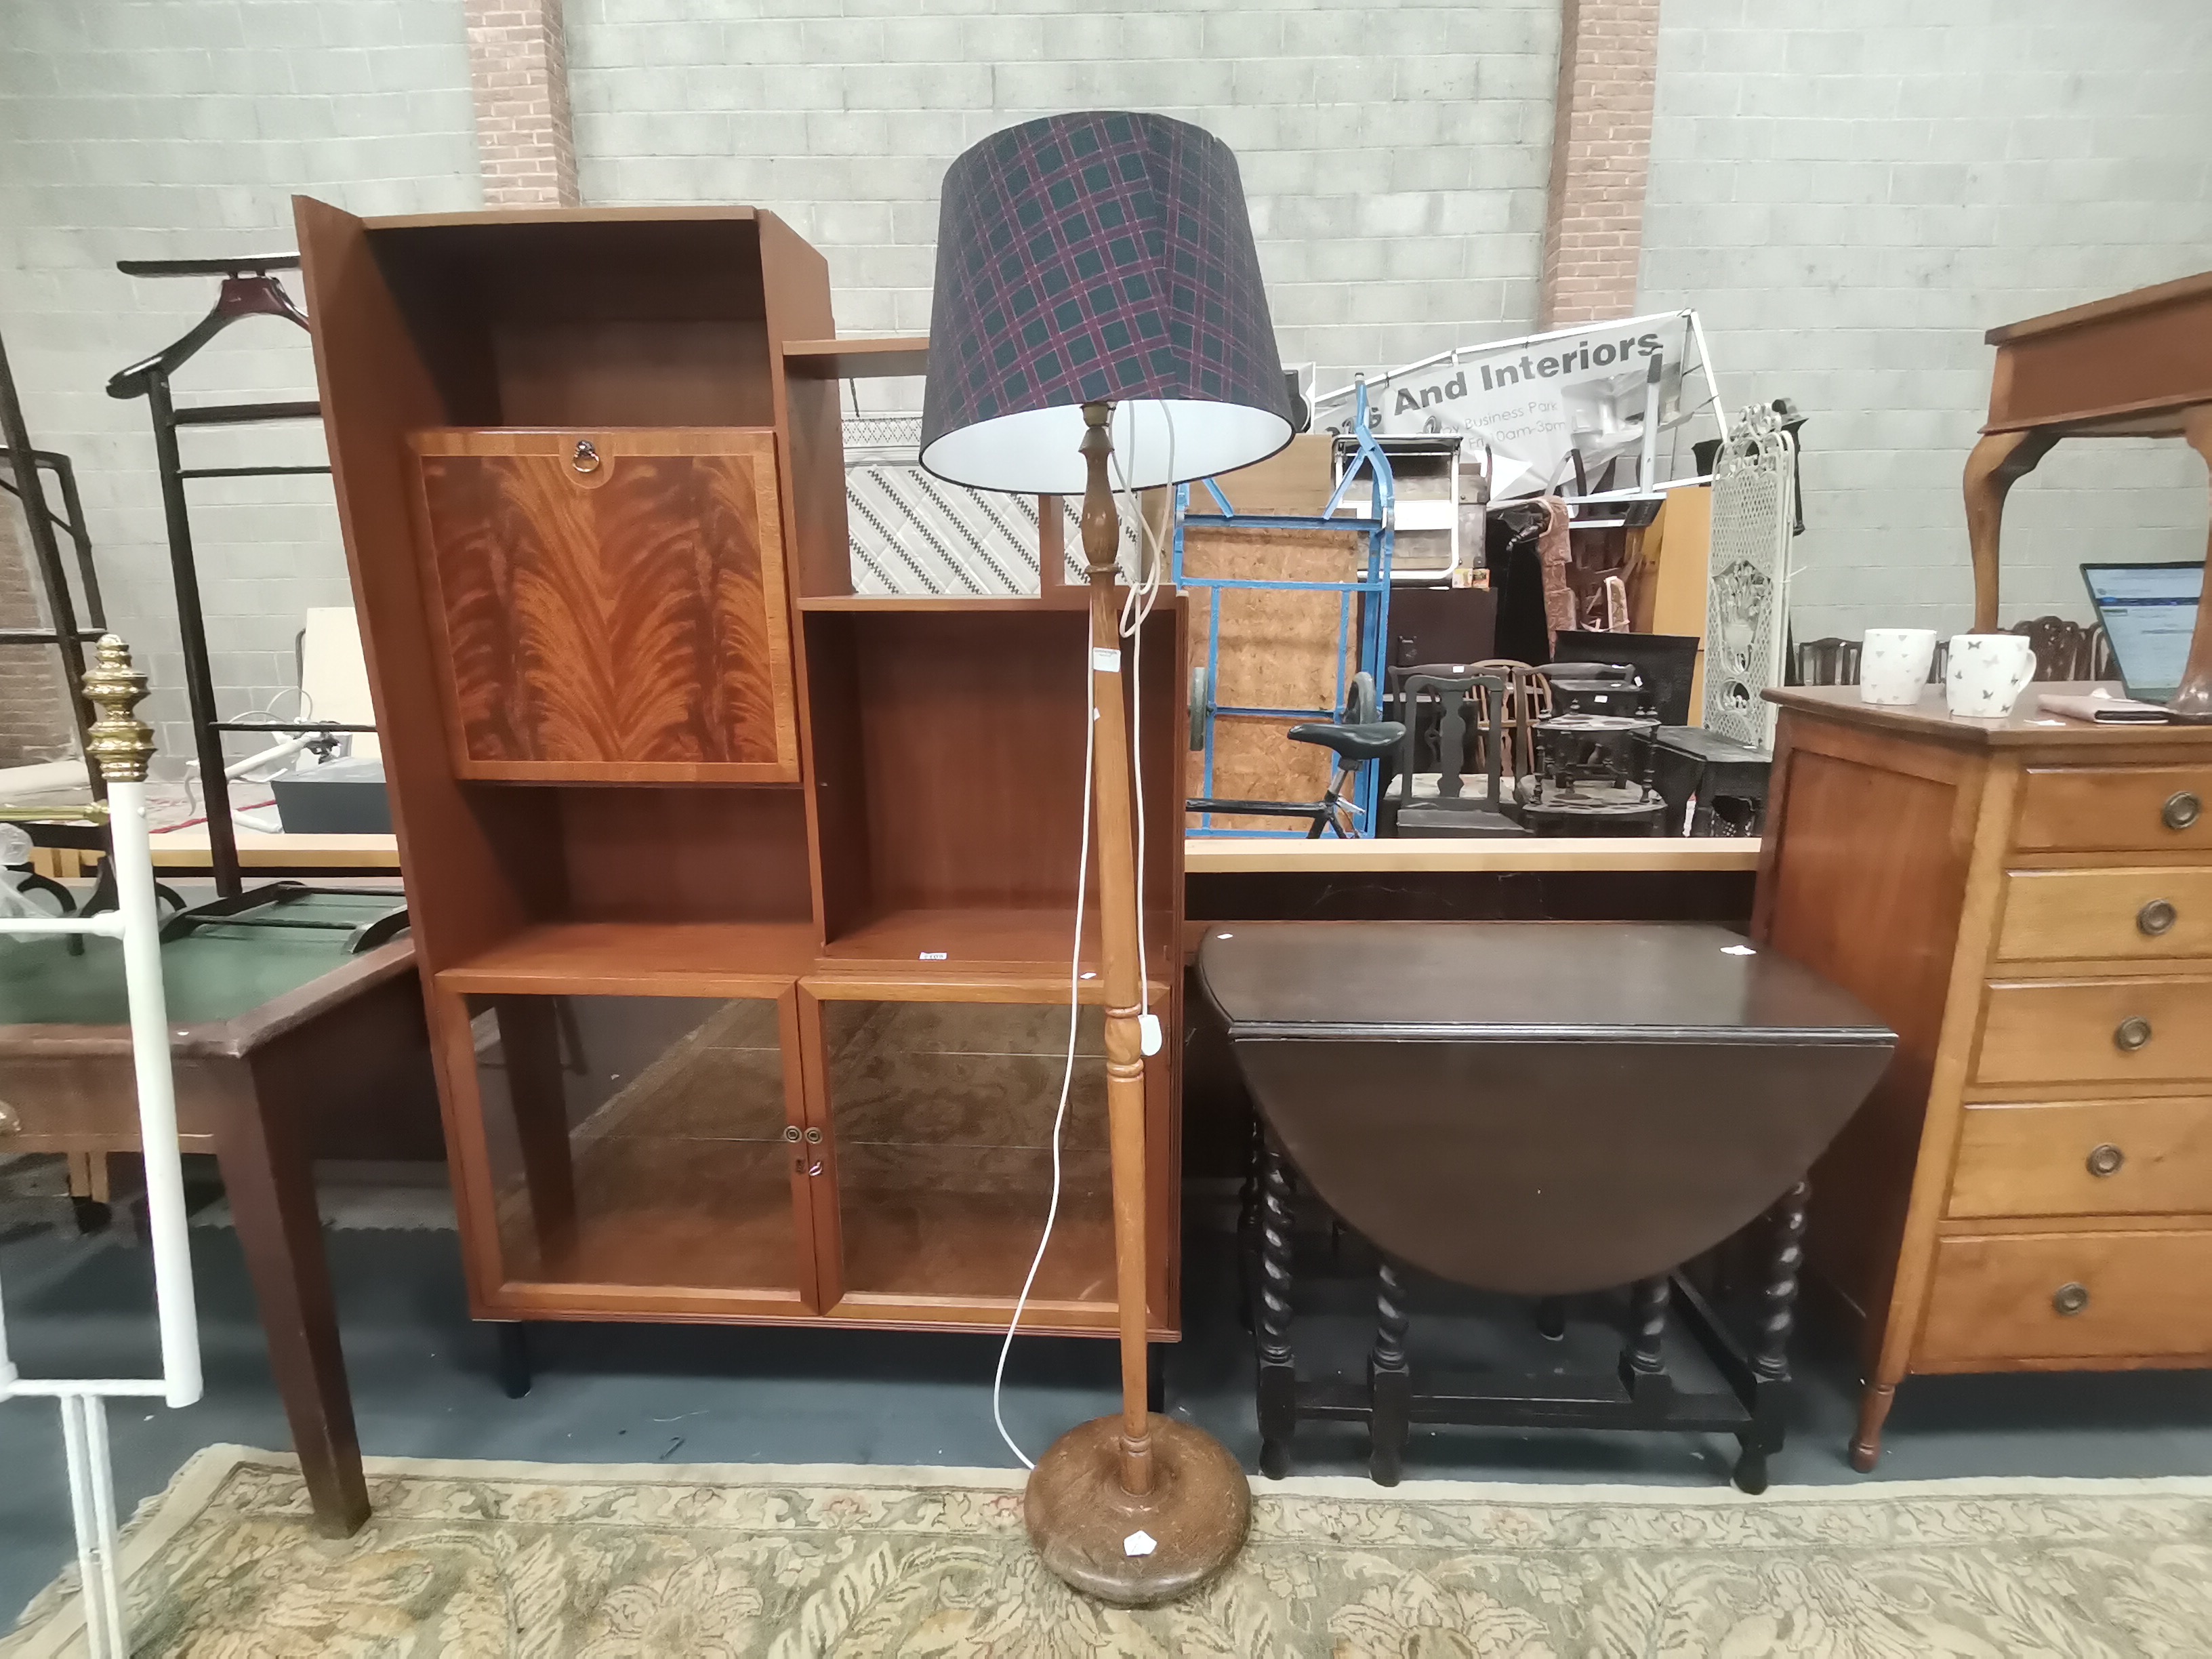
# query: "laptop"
2150,614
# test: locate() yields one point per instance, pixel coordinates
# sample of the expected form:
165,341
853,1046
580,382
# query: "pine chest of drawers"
2029,904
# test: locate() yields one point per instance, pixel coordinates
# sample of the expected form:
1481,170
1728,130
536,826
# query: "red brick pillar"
1601,155
519,70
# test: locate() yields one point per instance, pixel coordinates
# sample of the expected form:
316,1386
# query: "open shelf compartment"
949,800
686,890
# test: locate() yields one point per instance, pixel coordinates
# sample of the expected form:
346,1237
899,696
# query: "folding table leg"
1769,1359
1389,1381
1278,1385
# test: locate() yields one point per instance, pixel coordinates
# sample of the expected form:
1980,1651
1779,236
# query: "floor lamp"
1098,295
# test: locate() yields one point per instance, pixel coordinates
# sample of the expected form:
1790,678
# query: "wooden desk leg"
272,1188
2000,461
1875,1402
1278,1385
2193,702
1389,1381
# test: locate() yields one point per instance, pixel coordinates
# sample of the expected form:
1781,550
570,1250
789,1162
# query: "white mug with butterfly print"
1893,664
1985,673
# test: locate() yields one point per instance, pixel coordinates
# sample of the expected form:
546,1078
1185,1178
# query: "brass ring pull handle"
2070,1299
791,1133
2133,1033
2157,917
585,458
2106,1159
814,1136
2182,809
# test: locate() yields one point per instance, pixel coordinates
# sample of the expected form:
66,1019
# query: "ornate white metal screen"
1747,602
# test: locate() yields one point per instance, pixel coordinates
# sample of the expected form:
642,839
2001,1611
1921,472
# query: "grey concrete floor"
422,1386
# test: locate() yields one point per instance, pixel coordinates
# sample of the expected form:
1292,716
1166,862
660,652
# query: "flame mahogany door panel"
609,605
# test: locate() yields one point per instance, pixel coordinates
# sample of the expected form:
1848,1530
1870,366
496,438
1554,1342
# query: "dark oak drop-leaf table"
1542,1109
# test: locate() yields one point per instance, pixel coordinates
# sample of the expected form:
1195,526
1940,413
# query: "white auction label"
1139,1543
1104,661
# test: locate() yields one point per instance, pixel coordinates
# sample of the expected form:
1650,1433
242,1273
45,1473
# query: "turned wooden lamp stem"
1117,935
1119,968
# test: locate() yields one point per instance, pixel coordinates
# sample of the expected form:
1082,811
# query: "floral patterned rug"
485,1559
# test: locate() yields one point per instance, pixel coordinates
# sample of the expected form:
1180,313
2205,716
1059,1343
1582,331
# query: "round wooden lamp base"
1083,1523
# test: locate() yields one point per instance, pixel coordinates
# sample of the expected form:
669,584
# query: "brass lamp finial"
119,744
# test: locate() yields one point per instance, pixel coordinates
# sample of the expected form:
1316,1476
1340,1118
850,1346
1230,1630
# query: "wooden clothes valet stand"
742,902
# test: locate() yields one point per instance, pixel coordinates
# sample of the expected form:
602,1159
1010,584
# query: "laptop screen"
2149,612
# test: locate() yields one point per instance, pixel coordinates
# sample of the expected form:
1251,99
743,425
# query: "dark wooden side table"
284,1046
1542,1109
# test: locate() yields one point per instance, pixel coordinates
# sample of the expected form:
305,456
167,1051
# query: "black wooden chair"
1446,801
1831,661
2066,650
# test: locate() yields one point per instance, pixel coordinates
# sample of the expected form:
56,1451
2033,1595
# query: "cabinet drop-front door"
610,604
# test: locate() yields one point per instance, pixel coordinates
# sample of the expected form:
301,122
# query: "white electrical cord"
1067,1072
1135,610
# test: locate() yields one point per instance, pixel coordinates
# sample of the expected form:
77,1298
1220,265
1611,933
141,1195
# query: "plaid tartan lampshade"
1098,257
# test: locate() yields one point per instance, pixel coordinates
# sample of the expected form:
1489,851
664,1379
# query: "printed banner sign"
1537,401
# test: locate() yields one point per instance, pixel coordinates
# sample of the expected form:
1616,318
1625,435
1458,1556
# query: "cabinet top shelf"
856,360
639,958
1058,599
565,215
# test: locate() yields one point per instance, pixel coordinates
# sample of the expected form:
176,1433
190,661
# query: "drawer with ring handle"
2145,1157
2100,808
2141,914
2070,1295
2092,1030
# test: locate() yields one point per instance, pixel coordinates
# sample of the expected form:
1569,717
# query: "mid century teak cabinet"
744,905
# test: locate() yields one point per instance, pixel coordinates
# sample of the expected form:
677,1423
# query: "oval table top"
1540,1107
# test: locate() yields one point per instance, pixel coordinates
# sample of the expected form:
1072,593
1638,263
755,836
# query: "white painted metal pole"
88,1474
275,752
108,926
102,1470
1647,453
157,1100
1712,384
7,1365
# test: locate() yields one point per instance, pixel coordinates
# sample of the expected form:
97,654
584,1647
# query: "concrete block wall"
150,129
1394,153
1853,194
